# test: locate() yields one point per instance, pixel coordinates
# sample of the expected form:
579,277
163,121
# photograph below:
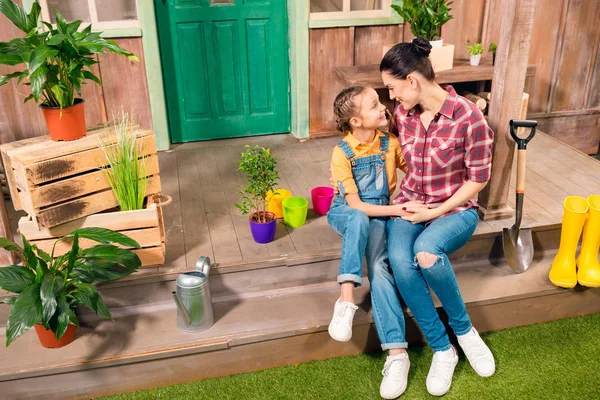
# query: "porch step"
143,348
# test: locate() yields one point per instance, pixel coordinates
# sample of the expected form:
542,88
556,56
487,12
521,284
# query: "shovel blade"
518,248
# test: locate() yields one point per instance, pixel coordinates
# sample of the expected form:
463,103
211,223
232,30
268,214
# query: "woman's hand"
420,214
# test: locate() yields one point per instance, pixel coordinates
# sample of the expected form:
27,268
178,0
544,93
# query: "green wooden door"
225,67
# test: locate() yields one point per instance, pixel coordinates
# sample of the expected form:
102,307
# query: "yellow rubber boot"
588,268
564,271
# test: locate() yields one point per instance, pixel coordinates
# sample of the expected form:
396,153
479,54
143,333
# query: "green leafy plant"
492,47
56,61
475,49
260,168
49,288
426,17
126,172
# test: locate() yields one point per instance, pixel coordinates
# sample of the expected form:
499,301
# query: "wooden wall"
124,83
565,92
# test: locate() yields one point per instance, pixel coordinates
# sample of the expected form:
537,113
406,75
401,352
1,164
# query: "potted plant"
426,18
475,51
48,288
492,49
260,168
57,62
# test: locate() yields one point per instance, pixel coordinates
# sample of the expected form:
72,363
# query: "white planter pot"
436,43
475,60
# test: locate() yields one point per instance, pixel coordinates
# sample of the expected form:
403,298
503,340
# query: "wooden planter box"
144,226
58,182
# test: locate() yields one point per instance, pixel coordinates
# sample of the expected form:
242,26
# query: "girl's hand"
335,189
420,214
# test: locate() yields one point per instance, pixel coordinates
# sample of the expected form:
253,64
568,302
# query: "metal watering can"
194,304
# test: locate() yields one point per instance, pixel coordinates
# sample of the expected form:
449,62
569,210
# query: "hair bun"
422,46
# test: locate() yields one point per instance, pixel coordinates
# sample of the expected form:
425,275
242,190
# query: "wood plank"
174,238
6,257
196,236
594,96
573,64
148,237
581,131
93,94
91,204
12,183
73,164
369,42
117,221
461,72
124,82
323,85
507,94
152,256
465,27
80,185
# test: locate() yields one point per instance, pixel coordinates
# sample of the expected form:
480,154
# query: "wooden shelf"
462,72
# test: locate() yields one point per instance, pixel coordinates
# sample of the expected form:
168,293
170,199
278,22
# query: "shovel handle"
521,163
522,142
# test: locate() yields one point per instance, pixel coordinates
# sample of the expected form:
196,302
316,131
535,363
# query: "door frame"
298,13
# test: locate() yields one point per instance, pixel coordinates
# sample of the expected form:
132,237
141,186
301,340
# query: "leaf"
88,295
90,76
106,236
31,260
61,22
64,311
26,312
42,254
99,271
16,14
10,300
15,278
113,254
34,15
73,253
48,297
73,26
10,245
61,95
56,39
5,78
37,81
39,56
10,59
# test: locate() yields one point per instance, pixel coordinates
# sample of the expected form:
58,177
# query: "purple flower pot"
263,232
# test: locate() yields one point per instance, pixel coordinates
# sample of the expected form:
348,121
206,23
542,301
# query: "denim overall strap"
385,142
346,149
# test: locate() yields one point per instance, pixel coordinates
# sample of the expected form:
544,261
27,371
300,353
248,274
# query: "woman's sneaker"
340,327
440,374
395,376
479,355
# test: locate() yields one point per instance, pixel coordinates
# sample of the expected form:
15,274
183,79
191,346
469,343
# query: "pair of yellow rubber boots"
566,272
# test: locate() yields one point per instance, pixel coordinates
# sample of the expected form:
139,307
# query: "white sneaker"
395,376
479,355
340,327
440,374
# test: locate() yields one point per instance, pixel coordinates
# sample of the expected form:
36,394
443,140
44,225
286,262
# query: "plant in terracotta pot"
260,168
492,49
56,63
475,51
47,288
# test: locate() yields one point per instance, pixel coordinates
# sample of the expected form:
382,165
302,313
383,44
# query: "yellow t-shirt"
341,170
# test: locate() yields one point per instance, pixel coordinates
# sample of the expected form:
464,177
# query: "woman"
447,144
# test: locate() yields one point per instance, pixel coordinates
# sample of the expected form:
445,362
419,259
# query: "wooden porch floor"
203,180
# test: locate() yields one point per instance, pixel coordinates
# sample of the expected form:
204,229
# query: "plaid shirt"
455,148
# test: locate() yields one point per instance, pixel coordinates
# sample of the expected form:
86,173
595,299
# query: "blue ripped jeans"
364,235
441,237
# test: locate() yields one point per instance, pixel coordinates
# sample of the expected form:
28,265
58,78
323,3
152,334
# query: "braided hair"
345,107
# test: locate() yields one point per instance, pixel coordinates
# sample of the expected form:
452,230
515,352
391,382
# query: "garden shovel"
517,241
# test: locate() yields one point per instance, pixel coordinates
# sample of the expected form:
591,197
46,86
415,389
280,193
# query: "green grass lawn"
555,360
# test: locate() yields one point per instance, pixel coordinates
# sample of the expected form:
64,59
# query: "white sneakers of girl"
340,327
479,355
395,376
440,374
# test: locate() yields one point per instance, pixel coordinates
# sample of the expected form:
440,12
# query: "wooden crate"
144,226
58,182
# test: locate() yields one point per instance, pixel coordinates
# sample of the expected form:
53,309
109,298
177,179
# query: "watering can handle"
522,142
203,265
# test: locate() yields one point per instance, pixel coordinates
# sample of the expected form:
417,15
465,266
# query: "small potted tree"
426,18
47,288
57,62
492,49
475,51
260,168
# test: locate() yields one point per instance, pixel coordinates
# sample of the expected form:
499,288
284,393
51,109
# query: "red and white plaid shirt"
455,148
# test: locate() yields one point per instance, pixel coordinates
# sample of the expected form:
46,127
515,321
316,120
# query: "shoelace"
341,312
388,366
476,350
441,369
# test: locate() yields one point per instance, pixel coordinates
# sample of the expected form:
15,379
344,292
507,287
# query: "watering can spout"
182,310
